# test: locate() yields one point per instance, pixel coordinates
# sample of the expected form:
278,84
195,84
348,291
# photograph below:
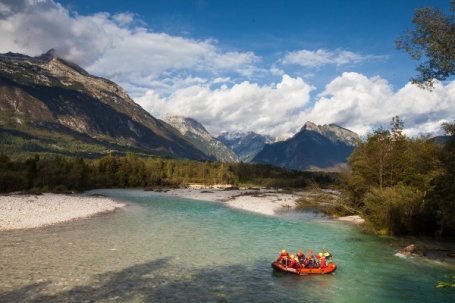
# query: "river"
168,249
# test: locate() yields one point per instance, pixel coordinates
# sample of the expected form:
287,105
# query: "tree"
443,193
391,175
433,39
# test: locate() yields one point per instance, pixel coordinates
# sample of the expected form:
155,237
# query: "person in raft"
301,256
322,261
327,255
310,260
294,262
283,257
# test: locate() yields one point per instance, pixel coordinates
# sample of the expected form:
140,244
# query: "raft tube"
331,267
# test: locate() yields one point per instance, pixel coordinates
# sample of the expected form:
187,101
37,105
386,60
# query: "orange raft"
304,270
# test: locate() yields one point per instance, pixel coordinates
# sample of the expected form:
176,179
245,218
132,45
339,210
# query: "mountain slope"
50,105
313,148
196,133
245,145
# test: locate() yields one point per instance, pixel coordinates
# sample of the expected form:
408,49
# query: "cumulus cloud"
269,109
359,103
322,57
114,46
351,100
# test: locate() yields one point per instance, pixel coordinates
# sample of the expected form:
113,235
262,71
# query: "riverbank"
262,201
31,211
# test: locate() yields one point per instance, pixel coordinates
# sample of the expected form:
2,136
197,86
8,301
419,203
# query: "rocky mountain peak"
185,124
333,132
196,133
314,147
310,126
48,56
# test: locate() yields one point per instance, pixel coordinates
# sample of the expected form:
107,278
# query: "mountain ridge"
245,144
196,133
58,99
314,147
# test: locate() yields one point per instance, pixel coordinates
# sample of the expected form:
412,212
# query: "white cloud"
358,103
221,80
113,46
268,109
322,57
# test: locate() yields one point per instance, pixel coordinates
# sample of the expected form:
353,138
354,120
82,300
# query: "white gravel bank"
266,202
30,211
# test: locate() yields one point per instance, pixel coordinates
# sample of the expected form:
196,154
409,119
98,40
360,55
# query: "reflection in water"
162,249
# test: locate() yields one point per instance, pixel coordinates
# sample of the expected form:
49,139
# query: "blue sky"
264,66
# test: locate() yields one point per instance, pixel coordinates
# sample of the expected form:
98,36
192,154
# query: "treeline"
402,185
63,174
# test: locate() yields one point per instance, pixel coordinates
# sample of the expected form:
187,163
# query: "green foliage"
399,209
403,185
446,284
65,174
443,190
433,39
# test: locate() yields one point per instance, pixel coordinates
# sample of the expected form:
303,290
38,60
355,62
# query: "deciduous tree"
433,39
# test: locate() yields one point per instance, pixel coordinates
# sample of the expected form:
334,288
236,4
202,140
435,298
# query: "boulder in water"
412,250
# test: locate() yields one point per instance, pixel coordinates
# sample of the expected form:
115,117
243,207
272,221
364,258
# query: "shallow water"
166,249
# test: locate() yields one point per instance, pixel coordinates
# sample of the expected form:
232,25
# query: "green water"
166,249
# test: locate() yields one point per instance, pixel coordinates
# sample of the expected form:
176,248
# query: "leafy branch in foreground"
446,284
433,39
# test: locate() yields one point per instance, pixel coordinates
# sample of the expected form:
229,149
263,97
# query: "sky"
252,65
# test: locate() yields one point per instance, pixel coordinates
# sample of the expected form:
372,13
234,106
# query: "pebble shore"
31,211
266,202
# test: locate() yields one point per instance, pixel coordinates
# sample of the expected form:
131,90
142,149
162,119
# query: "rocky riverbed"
31,211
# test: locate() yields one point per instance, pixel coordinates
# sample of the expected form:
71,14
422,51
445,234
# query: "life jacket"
283,256
323,264
294,262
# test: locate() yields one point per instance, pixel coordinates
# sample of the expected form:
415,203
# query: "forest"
61,174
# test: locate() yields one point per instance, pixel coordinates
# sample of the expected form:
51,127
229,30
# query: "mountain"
314,147
53,106
245,144
196,133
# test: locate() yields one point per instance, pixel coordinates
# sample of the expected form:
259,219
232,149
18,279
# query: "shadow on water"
159,281
150,282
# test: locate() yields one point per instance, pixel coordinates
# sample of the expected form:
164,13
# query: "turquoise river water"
167,249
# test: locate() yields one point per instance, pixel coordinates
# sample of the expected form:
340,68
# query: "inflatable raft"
304,270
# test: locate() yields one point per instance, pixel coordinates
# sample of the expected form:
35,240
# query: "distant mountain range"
245,144
314,147
49,105
52,106
196,133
